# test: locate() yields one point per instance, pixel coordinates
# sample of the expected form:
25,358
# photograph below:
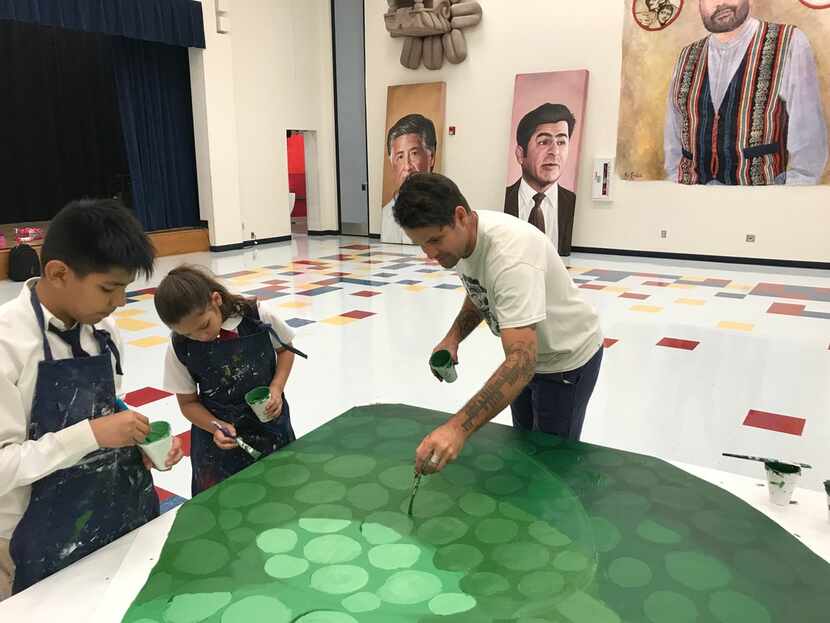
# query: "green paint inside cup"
257,395
158,430
441,359
783,468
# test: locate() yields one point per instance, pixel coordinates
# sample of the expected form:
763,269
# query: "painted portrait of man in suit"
543,143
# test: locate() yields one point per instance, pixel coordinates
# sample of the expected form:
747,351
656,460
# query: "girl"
223,345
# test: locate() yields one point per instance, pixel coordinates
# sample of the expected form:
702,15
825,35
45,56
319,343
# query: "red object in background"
296,173
452,130
27,234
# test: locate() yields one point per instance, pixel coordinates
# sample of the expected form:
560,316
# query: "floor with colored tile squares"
700,359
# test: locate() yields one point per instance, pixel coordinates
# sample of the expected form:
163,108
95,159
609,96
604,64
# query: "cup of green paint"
157,444
442,364
827,491
782,479
257,399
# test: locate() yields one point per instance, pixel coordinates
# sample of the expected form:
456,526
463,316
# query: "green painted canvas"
523,527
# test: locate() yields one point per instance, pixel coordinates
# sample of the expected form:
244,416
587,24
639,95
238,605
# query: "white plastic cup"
782,479
159,446
442,364
258,399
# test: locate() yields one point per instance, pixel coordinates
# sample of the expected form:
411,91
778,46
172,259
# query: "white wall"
271,73
524,36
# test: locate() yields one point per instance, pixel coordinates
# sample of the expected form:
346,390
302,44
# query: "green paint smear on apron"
595,535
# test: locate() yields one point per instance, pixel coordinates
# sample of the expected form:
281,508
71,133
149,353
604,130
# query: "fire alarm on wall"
452,130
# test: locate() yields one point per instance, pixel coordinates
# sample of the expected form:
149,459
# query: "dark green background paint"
522,527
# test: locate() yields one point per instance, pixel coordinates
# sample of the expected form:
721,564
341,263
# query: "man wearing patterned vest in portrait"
744,105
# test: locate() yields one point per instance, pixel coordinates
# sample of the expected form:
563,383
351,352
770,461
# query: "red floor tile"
365,293
357,314
775,422
659,284
634,295
786,309
609,342
163,494
592,286
145,396
671,342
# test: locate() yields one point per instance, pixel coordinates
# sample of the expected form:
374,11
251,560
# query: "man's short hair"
413,124
546,113
97,235
427,199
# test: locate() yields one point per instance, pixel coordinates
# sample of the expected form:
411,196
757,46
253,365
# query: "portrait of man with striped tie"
543,145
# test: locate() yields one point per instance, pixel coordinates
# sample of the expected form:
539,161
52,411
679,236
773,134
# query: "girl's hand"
221,440
274,406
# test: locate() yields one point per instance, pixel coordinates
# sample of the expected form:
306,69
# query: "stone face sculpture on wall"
431,29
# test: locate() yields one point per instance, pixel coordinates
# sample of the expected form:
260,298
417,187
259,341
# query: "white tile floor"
686,405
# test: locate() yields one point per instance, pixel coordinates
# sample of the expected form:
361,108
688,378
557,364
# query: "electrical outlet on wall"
664,233
750,237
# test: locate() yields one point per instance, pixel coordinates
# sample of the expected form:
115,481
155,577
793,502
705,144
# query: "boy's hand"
221,440
126,428
274,406
174,456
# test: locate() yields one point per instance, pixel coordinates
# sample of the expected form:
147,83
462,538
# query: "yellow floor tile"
736,326
142,297
690,302
127,313
617,289
415,288
131,324
693,278
245,279
650,309
295,305
338,320
578,270
740,287
681,286
147,342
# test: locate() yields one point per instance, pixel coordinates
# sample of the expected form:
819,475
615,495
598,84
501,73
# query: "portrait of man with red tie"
543,142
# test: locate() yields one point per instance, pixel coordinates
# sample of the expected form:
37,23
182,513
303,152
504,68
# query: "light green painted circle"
398,429
669,607
546,534
541,584
521,556
282,566
321,492
257,608
394,556
271,513
428,504
394,450
484,584
629,573
229,519
606,535
697,571
493,531
201,557
195,607
734,607
331,549
241,494
385,527
477,504
368,496
458,557
503,484
570,561
442,530
326,518
488,462
511,511
277,541
451,603
459,475
350,466
654,532
288,475
339,579
326,616
192,520
679,498
409,587
252,471
624,502
356,441
399,477
311,458
361,602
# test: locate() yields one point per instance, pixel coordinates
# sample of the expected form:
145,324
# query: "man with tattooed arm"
516,282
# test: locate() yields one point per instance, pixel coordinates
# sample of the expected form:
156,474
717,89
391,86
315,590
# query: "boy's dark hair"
546,113
427,199
187,289
95,236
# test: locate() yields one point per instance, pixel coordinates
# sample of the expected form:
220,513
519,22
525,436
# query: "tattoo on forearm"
467,321
517,369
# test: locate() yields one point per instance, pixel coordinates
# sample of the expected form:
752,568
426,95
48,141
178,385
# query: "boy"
71,478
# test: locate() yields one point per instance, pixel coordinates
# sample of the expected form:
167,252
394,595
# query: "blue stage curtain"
153,87
175,22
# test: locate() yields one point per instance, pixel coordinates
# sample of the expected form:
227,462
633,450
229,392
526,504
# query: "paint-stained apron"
77,510
225,371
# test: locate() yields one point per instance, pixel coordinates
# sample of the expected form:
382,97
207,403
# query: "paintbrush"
416,482
761,459
253,452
